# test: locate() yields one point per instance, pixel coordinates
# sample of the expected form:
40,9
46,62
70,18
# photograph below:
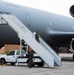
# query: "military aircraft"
57,30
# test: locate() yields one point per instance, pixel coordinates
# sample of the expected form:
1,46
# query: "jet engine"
72,10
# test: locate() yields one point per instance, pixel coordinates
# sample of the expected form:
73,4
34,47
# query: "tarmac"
67,68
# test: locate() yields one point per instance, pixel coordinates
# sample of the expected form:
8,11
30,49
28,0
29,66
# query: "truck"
17,56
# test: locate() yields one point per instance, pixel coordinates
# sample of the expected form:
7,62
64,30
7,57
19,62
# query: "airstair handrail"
48,47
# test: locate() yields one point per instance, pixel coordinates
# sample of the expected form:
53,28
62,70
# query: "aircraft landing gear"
73,56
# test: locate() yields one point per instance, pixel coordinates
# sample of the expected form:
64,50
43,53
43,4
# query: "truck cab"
11,57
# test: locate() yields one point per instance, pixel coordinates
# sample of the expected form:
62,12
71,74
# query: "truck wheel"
40,64
12,63
2,61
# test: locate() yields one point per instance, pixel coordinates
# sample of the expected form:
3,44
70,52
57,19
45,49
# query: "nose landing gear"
71,47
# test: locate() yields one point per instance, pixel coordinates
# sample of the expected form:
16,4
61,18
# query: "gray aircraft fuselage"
56,30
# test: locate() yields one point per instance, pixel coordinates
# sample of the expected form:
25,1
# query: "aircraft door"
28,19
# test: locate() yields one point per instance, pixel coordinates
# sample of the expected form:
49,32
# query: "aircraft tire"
73,56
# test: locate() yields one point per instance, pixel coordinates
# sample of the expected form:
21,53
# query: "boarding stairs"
42,49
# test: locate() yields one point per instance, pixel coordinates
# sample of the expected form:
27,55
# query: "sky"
56,6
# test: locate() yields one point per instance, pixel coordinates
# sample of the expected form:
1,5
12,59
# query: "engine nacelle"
72,10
